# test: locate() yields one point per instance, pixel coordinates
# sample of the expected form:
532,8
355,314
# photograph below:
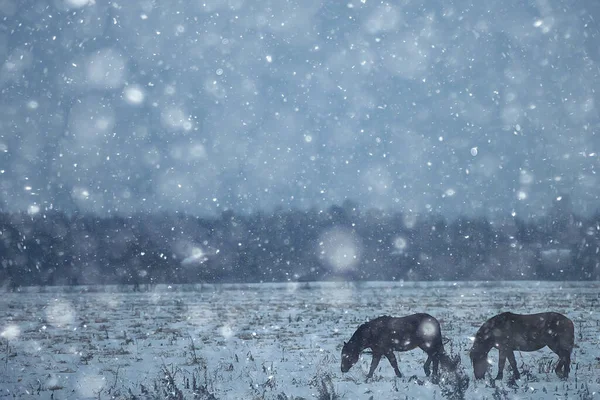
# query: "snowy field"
272,341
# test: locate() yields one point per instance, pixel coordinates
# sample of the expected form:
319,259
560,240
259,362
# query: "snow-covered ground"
271,341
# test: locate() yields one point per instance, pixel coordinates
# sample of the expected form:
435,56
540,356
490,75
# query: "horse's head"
479,361
349,357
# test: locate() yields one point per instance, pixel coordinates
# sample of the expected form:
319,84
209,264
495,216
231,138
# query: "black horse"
509,332
386,334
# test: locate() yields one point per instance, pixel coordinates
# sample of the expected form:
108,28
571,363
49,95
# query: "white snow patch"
197,256
72,4
340,249
91,385
226,331
11,332
449,192
33,209
60,314
134,94
400,244
428,329
80,193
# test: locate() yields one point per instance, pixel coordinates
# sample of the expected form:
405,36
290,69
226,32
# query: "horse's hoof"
417,380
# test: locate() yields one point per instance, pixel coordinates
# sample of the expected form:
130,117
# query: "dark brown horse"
386,334
509,332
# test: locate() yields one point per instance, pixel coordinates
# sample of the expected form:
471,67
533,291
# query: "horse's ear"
345,343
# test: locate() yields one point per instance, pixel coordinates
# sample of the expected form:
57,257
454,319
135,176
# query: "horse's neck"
485,343
361,340
486,346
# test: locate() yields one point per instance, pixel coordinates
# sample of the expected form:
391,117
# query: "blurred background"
402,114
201,106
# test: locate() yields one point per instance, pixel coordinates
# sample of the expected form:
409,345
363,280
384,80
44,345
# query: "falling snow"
145,143
354,97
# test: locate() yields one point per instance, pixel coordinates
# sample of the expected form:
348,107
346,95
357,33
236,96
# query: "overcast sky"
486,107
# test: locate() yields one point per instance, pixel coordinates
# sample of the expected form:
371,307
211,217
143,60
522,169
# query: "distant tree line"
340,243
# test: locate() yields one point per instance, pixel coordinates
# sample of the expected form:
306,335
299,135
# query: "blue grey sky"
451,107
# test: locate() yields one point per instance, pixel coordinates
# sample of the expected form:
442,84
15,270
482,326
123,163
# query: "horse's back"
416,318
547,317
547,327
551,319
413,321
541,321
418,324
424,316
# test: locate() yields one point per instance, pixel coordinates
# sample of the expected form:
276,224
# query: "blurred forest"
339,243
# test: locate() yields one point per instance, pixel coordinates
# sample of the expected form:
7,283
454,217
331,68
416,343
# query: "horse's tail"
448,362
570,332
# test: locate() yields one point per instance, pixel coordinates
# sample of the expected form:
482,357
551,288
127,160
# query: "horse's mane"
362,333
359,333
483,339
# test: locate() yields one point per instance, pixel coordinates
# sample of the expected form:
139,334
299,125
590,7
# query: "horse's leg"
436,364
374,363
501,362
563,366
567,365
564,360
426,366
436,367
513,364
559,369
392,359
